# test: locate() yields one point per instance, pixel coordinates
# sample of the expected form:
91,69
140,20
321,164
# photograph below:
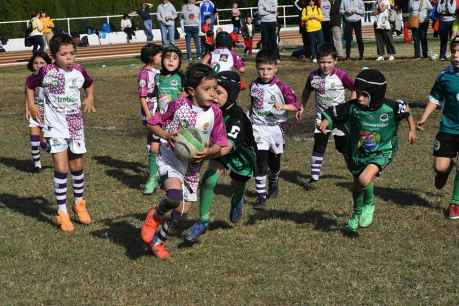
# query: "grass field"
291,254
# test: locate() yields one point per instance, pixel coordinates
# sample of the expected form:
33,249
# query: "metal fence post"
251,12
108,19
285,19
68,25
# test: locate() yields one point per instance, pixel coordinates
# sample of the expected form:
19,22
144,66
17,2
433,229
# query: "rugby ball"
188,143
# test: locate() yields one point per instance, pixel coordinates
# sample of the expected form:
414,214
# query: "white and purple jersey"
263,97
39,97
146,78
330,90
62,107
181,113
224,59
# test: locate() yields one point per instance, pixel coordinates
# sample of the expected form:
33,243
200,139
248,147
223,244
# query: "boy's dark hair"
41,54
58,40
168,50
326,50
265,56
223,40
207,17
149,51
196,73
454,42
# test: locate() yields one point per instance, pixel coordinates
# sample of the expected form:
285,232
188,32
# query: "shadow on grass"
23,165
34,207
228,191
298,178
124,234
322,221
119,168
399,196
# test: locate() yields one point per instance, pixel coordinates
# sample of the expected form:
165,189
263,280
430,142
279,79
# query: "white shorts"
170,166
58,145
269,138
34,124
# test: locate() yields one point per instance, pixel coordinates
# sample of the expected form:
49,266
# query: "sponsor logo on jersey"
384,117
436,145
174,83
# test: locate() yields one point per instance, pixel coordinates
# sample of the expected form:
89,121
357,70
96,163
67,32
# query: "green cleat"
150,186
366,219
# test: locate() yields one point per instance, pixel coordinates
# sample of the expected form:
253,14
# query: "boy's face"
65,57
157,59
38,62
266,72
249,20
171,61
327,64
205,94
363,98
222,95
455,56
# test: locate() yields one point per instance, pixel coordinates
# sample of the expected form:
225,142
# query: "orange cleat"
160,251
82,212
149,226
64,222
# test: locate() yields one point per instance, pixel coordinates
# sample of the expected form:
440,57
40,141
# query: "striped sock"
260,184
162,234
316,164
35,148
78,185
60,190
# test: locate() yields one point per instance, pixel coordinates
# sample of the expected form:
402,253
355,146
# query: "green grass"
293,253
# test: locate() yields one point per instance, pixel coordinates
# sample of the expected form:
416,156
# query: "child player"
271,99
63,123
372,122
239,158
168,87
445,94
196,110
329,85
37,61
150,55
223,58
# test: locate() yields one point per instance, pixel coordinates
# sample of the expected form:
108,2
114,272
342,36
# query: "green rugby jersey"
369,132
445,92
169,88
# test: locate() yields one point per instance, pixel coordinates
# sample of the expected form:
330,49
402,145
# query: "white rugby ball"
188,143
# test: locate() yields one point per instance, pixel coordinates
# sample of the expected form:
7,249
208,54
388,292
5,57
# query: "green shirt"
169,88
369,132
445,92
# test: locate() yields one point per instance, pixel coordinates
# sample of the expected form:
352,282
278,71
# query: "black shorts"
446,145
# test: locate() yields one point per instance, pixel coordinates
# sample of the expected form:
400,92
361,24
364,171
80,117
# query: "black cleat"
309,185
260,203
273,192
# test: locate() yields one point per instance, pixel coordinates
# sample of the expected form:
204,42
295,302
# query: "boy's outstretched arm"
89,100
304,100
31,108
411,126
431,106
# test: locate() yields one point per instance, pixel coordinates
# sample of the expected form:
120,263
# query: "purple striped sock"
60,190
35,149
78,184
316,165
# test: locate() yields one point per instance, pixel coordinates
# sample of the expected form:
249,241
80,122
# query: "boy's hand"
89,105
201,155
323,127
27,114
299,113
412,137
34,112
420,124
279,106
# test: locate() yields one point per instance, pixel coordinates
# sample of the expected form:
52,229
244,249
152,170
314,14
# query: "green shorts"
356,165
242,164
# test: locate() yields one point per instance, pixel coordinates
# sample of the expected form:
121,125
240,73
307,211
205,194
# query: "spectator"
353,10
267,10
335,25
325,6
48,26
208,8
126,27
191,24
36,34
236,18
312,18
208,38
144,13
248,31
383,32
301,5
420,9
447,10
166,18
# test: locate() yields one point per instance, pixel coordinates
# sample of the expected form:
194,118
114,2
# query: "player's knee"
173,198
364,180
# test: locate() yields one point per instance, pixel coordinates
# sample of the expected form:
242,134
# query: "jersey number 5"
234,132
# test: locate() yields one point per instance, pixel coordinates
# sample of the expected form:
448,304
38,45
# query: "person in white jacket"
267,10
447,11
383,31
420,8
166,17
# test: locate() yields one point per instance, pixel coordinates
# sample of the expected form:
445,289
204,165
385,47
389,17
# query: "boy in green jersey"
371,122
445,94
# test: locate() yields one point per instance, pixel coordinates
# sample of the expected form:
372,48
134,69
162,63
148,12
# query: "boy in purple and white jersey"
271,99
329,85
62,82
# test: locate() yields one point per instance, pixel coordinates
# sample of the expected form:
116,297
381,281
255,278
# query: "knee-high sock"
369,195
152,164
35,149
78,185
260,185
455,196
358,198
238,194
274,162
163,232
207,194
316,165
60,190
171,201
